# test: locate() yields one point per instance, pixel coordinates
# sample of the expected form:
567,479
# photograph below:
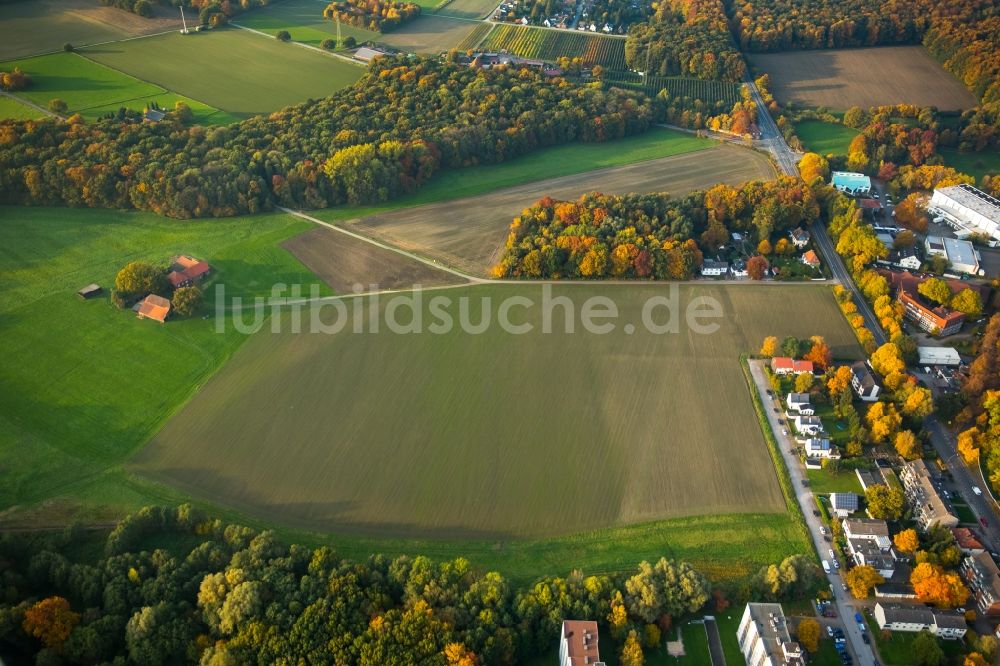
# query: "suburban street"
845,610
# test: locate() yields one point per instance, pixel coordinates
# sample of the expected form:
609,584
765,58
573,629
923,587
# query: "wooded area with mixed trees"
405,120
374,15
648,236
226,594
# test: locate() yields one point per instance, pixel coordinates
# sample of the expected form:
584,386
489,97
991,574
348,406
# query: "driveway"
862,653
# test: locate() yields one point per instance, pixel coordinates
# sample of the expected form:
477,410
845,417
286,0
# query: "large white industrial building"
968,210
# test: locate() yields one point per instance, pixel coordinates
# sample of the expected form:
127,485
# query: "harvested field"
429,34
343,262
842,78
468,233
230,68
43,26
468,9
493,435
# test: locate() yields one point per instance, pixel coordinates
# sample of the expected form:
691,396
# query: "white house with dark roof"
863,382
808,425
711,268
800,237
949,625
819,447
844,504
869,544
799,402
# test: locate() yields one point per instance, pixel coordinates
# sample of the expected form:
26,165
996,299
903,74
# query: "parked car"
865,638
829,631
784,432
777,411
977,490
833,555
984,523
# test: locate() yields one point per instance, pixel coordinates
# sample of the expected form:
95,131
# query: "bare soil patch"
342,262
842,78
469,233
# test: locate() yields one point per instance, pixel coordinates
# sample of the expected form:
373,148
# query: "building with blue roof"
851,183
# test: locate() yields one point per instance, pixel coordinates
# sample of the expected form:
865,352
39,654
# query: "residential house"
800,237
905,257
819,447
764,638
578,644
863,382
967,541
185,271
928,507
943,624
739,269
810,258
869,544
712,268
153,307
799,402
983,577
153,115
808,425
844,504
785,365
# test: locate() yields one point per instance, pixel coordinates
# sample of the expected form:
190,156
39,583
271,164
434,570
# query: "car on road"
784,432
826,567
843,586
816,513
865,638
833,555
777,411
984,522
836,564
770,392
977,490
829,631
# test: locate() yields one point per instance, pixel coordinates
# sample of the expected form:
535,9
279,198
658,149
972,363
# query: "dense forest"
405,120
374,15
648,236
686,38
221,594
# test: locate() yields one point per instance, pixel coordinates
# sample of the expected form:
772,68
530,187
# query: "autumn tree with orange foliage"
936,586
820,353
770,346
907,541
51,621
757,267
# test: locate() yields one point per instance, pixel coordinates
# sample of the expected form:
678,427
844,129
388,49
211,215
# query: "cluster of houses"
737,268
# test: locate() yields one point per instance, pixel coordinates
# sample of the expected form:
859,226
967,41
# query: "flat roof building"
851,182
764,638
938,356
967,209
943,624
961,254
578,644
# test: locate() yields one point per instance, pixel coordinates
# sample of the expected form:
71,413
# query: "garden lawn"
898,649
231,69
823,481
825,138
91,383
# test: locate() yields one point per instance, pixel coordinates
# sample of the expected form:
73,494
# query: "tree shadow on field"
317,515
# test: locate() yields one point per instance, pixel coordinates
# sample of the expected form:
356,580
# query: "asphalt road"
845,610
770,136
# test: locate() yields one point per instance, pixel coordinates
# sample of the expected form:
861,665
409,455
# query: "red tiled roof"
966,539
811,258
154,307
186,269
581,641
942,316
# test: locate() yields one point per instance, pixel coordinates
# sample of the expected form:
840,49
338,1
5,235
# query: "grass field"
416,443
825,138
231,69
15,110
429,34
43,26
974,164
93,90
92,383
823,481
841,78
468,233
303,19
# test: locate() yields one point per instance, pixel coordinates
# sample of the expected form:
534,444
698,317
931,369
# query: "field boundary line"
29,103
331,54
76,47
410,255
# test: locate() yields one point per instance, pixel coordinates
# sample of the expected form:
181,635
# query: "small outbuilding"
90,291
